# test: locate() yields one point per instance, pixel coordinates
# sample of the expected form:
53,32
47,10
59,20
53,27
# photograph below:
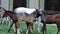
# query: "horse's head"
2,10
5,14
38,12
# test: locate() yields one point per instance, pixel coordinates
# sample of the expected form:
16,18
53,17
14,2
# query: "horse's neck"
34,15
10,15
13,16
42,16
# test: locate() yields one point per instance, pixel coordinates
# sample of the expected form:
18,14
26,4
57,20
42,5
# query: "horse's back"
20,10
24,10
29,11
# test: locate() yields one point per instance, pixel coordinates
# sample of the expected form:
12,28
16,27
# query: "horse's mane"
10,11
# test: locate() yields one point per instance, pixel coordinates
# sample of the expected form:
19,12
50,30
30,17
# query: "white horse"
24,10
29,11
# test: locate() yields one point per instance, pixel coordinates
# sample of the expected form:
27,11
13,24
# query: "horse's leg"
1,19
58,26
39,26
18,27
32,28
44,28
15,27
28,28
38,22
10,27
19,19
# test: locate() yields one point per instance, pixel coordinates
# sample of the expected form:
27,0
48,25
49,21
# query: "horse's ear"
36,9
